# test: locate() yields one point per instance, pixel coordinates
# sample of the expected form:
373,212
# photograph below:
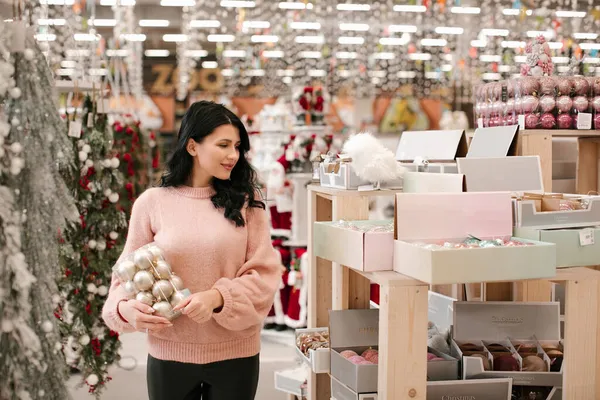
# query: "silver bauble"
162,290
146,298
126,270
143,259
177,282
156,252
162,270
130,287
177,298
143,280
162,309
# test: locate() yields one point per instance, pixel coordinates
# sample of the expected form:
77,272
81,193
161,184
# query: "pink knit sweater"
206,251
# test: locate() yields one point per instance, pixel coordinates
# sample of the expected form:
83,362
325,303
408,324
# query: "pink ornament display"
547,85
547,121
547,104
497,91
531,121
356,359
530,104
597,122
348,354
510,105
581,86
530,86
564,104
596,103
369,353
581,103
510,88
564,121
564,86
595,85
510,119
374,359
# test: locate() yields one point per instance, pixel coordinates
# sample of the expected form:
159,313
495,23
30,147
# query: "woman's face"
217,154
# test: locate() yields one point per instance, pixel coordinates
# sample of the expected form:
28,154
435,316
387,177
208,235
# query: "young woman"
214,231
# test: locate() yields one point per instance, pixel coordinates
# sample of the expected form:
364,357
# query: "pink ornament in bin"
597,122
547,104
581,103
510,119
348,354
564,86
596,86
596,103
531,121
547,121
564,104
547,85
564,121
581,86
529,104
510,88
530,86
369,354
356,359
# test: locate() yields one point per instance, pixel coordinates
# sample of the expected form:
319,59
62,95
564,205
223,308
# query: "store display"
148,277
312,340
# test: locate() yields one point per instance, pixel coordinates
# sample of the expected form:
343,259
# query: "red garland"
88,307
96,346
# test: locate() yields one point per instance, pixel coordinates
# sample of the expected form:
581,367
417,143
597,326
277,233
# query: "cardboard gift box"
363,247
488,389
555,210
339,391
338,173
439,370
426,221
318,359
522,328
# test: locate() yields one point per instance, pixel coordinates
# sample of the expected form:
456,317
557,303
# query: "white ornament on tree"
86,148
16,147
114,197
15,121
92,379
101,246
84,340
113,235
15,93
82,156
114,163
7,326
89,163
29,54
47,326
91,288
92,244
107,192
102,290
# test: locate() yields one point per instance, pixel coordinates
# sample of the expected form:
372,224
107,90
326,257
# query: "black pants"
224,380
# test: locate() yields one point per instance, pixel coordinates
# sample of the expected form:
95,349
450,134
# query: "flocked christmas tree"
35,160
90,248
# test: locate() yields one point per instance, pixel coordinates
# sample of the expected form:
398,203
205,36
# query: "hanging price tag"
521,121
586,237
75,129
90,120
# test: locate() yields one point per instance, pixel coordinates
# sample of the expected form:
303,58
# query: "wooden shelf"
403,312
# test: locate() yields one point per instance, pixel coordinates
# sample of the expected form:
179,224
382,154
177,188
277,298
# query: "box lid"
431,216
353,328
500,320
431,145
498,141
513,174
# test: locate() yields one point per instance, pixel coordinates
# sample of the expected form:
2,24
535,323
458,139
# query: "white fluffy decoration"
371,160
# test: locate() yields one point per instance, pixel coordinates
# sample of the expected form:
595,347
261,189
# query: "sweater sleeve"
139,234
248,297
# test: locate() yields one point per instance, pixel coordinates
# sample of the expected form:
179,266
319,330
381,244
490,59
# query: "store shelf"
403,312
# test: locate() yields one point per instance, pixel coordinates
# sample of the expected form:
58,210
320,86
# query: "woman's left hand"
200,306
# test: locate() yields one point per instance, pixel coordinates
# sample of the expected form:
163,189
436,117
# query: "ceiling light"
351,40
134,37
409,8
103,22
86,37
111,3
309,39
177,3
57,2
54,22
175,38
310,54
494,32
490,76
210,64
560,60
447,67
196,53
264,38
512,44
220,38
420,56
547,34
254,72
407,74
448,57
117,53
402,28
68,64
272,54
490,58
154,23
305,25
157,53
98,71
205,23
227,72
353,7
478,43
556,45
287,80
589,46
344,73
432,75
256,24
589,36
295,5
520,59
346,55
570,14
285,72
449,30
354,27
515,11
78,53
234,53
384,55
389,41
504,68
465,10
237,4
65,71
317,73
591,60
434,42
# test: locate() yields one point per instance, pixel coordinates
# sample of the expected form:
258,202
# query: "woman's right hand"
139,315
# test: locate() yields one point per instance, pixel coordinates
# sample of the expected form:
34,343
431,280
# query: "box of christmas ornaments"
539,100
488,389
362,245
444,238
520,341
148,277
312,344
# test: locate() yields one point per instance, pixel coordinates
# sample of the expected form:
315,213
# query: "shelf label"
586,237
584,121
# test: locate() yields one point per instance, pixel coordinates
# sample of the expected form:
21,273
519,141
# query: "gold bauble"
177,282
143,259
143,280
162,289
145,297
162,270
126,270
163,309
177,298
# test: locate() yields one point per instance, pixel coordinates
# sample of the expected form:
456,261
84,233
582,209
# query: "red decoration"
88,307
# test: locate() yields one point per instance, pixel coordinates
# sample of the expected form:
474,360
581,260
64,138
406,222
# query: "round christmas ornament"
564,86
547,85
177,298
162,289
369,353
356,359
581,86
145,297
595,84
547,104
162,309
510,105
130,287
162,270
596,103
597,121
533,363
564,121
156,252
530,104
506,363
530,86
581,103
143,259
177,282
143,280
531,121
547,121
564,104
348,354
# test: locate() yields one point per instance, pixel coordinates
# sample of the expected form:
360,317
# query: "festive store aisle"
130,383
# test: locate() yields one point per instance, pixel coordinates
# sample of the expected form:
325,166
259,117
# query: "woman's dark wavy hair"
200,120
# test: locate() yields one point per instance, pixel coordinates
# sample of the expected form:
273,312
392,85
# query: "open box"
362,249
498,141
488,389
534,326
528,215
439,148
339,175
442,370
425,221
318,359
425,182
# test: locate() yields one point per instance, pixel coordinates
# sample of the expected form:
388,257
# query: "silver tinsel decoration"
35,203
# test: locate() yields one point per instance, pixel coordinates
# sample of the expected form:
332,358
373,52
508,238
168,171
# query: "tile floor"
277,353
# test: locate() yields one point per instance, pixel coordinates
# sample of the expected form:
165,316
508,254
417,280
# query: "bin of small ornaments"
595,90
148,278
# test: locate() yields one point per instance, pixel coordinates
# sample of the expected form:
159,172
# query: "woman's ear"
191,147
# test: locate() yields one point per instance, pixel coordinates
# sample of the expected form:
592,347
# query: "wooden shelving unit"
404,309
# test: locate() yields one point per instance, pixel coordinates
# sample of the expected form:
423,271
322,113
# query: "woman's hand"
139,315
200,306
